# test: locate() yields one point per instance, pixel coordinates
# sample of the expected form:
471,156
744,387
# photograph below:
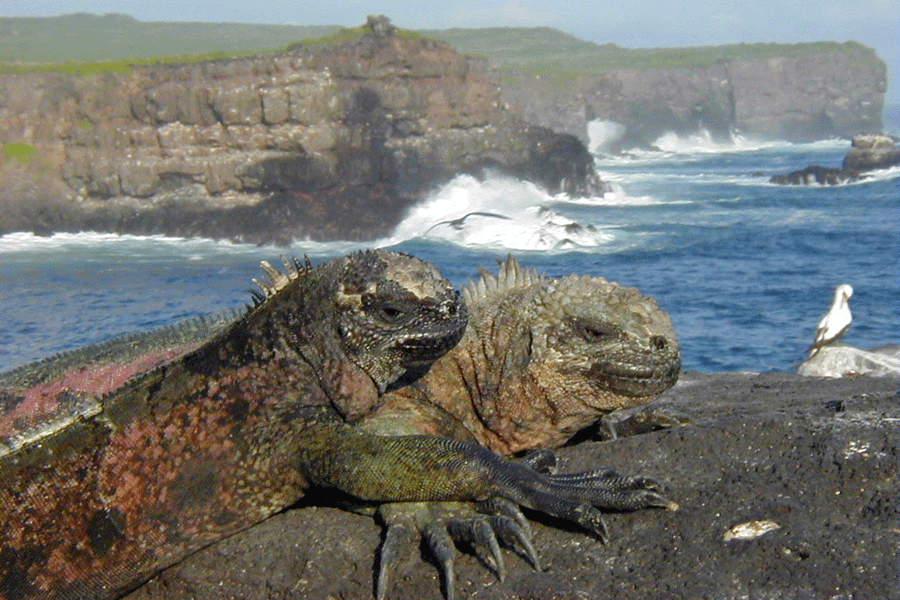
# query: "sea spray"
604,135
497,212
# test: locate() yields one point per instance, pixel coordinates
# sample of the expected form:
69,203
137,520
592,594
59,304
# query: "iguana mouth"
425,349
631,379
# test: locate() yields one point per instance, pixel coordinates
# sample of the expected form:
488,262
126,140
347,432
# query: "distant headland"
335,137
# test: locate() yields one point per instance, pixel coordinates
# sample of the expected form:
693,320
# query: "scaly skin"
100,491
541,359
371,468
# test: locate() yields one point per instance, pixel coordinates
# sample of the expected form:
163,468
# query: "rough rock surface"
795,98
868,152
325,141
811,462
817,174
840,360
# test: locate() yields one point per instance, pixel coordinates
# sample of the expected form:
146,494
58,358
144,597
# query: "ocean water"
744,268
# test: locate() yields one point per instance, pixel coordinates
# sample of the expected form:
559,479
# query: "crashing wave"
498,212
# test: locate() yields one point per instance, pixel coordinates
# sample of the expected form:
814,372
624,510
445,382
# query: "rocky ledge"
867,153
326,141
787,486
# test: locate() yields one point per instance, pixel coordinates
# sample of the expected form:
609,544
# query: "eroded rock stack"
869,152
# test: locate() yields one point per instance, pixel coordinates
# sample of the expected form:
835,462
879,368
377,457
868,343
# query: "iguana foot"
626,492
629,422
486,526
483,527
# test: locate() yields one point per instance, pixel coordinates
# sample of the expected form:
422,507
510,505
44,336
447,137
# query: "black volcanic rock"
787,485
817,174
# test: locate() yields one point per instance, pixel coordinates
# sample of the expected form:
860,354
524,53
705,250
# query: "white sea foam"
602,135
881,175
703,142
498,212
617,195
113,243
149,247
672,147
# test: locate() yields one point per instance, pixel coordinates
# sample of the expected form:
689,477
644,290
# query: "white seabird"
836,321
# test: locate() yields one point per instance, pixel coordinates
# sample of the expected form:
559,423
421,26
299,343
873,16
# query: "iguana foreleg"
436,470
421,468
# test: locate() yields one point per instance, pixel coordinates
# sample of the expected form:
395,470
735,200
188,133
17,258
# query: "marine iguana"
541,359
110,475
103,490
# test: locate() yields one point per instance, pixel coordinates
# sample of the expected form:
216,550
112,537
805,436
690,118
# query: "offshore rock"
324,141
817,174
869,152
787,487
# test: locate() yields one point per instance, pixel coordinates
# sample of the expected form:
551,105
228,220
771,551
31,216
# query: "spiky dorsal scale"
511,275
278,280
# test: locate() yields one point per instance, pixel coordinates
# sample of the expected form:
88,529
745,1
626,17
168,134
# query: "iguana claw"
482,526
485,526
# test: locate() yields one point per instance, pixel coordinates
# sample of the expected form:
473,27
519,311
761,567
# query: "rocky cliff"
803,97
332,141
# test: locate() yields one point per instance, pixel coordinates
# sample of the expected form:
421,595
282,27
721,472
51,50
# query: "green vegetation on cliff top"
83,43
547,49
81,38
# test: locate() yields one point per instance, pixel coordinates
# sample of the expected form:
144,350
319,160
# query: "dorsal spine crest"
511,275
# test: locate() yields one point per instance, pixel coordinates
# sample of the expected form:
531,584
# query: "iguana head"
614,338
395,314
554,355
363,321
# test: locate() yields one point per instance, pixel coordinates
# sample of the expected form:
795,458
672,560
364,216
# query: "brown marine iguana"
541,359
101,491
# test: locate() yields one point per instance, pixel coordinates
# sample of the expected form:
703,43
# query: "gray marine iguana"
104,487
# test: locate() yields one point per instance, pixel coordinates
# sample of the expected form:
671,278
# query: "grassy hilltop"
547,49
82,37
84,43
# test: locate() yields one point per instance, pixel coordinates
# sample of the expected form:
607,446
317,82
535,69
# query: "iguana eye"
390,313
595,332
387,312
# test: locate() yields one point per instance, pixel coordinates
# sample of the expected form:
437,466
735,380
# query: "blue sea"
744,268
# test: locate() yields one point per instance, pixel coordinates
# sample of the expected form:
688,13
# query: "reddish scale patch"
188,476
53,534
188,460
42,402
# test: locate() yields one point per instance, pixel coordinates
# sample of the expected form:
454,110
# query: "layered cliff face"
326,142
796,98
